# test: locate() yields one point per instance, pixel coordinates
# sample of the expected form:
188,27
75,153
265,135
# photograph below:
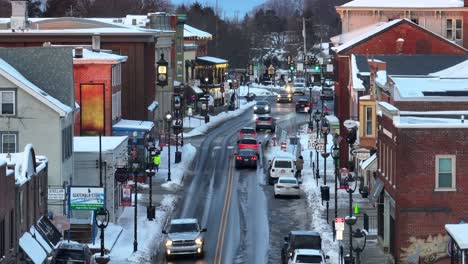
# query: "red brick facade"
431,106
417,41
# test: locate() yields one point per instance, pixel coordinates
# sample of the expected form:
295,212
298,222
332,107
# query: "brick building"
399,36
98,91
23,183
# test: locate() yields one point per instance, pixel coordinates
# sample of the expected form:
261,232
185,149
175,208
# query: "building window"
454,28
369,124
67,138
7,102
445,172
9,143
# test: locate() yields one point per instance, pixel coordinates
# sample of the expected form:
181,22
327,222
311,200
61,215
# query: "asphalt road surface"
245,223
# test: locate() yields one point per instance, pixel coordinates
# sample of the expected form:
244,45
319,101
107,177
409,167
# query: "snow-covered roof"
388,106
429,122
434,113
381,77
429,89
212,59
357,83
345,37
457,71
18,79
405,3
91,144
101,57
23,164
133,124
459,233
367,34
84,31
191,32
370,161
141,20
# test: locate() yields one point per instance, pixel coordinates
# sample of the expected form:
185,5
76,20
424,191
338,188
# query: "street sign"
126,195
339,227
320,147
350,124
56,194
312,144
86,198
121,174
361,153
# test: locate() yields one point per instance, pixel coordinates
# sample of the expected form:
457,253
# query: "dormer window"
7,102
454,28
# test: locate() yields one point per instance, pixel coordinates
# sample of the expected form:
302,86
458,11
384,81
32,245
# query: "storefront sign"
56,194
121,174
126,195
361,153
86,198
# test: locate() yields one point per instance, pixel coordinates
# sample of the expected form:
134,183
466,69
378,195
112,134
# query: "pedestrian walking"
157,160
299,166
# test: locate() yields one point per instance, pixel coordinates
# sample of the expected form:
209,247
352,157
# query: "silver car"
184,237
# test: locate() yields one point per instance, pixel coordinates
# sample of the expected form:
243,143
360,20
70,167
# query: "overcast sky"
229,7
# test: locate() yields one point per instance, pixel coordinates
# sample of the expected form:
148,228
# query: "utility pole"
304,34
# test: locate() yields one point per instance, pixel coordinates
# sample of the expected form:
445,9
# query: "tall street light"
102,220
325,132
150,209
317,117
336,159
136,168
359,238
350,219
169,123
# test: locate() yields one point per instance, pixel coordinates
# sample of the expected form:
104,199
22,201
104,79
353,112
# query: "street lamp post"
169,123
360,238
136,167
311,124
150,209
102,220
336,159
350,219
271,73
317,117
325,132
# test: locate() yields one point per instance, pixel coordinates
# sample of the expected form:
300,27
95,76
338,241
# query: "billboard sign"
86,198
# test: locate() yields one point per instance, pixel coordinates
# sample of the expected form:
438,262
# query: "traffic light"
317,67
292,66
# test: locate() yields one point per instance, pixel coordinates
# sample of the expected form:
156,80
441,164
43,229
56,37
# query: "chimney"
79,52
19,15
96,42
399,45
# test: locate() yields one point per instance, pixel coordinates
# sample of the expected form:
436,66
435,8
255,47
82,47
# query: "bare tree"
84,7
157,6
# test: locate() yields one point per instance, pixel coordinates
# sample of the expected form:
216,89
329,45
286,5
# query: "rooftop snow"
388,106
457,71
429,89
23,165
190,32
345,37
212,59
13,75
459,233
134,124
381,77
101,56
429,122
85,31
357,83
91,144
405,3
367,34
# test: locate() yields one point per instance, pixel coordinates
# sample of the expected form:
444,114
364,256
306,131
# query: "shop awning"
376,190
370,163
459,233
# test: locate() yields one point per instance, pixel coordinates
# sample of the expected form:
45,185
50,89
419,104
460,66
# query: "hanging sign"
126,195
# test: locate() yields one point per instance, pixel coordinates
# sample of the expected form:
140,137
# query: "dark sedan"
262,107
302,105
246,158
284,97
265,122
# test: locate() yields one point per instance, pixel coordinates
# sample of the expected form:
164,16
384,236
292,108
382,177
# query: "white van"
279,167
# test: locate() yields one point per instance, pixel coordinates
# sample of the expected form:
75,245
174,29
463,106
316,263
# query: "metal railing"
368,222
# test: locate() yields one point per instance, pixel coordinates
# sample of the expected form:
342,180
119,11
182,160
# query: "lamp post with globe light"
136,168
102,220
325,132
350,220
150,209
359,243
336,159
317,117
168,118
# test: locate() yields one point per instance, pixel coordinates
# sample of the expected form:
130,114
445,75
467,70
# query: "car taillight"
270,120
308,104
254,134
254,158
297,104
241,134
238,158
257,120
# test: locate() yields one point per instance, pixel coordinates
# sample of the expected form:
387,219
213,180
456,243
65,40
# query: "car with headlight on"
262,107
184,237
284,97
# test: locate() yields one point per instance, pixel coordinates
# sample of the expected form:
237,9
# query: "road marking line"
226,218
216,147
223,220
230,147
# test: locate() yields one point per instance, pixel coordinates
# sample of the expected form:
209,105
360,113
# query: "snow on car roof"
310,252
184,221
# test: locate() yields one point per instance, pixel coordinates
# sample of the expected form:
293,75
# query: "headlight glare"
198,241
255,108
168,243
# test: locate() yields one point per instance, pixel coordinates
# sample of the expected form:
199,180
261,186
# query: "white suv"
308,256
281,167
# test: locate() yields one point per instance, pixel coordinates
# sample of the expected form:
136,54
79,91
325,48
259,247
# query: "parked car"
280,167
184,237
67,253
247,131
284,97
262,107
265,122
300,239
248,142
308,256
246,158
299,88
287,186
302,106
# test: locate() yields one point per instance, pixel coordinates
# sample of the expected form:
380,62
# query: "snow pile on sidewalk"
218,119
149,233
178,169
